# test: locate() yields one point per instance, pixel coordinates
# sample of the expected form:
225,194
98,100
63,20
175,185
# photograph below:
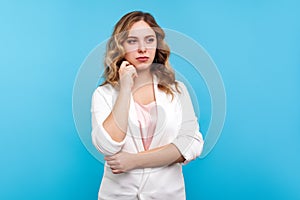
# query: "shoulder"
101,96
181,87
183,91
180,84
104,90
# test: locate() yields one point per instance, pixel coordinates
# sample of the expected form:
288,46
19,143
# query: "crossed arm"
121,162
158,157
109,138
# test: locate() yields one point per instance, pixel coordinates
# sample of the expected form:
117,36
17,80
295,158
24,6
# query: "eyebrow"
130,36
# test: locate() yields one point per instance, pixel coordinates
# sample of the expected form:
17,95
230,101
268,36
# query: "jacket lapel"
133,124
161,102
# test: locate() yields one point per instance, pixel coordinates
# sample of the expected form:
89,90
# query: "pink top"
147,117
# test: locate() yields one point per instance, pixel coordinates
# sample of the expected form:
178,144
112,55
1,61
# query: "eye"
150,40
131,41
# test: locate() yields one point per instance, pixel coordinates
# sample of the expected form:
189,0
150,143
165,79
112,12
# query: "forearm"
116,122
159,157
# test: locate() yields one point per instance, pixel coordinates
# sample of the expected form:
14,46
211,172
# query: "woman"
142,118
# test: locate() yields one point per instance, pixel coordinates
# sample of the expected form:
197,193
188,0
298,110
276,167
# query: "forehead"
140,28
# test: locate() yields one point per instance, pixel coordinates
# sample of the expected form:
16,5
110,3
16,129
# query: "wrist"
138,161
125,90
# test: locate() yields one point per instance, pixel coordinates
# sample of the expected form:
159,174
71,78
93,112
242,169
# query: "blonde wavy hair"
115,53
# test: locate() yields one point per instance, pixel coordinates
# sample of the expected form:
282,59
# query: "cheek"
152,52
129,56
128,50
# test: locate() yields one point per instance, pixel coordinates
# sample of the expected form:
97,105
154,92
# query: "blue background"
255,44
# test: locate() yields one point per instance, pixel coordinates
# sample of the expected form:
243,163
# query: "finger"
132,70
134,75
113,167
116,171
129,67
112,162
124,64
126,69
107,158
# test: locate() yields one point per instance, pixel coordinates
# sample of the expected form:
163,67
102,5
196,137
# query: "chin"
142,66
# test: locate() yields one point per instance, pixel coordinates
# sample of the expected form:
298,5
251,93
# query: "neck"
144,78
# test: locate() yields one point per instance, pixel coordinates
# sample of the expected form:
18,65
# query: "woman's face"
140,45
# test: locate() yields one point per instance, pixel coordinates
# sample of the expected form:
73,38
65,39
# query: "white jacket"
176,124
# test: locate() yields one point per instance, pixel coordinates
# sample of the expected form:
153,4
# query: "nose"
142,47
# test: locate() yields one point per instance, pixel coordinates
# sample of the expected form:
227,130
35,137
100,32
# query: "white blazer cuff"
189,147
104,143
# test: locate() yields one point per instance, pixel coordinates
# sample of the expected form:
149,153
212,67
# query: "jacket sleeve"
189,140
100,109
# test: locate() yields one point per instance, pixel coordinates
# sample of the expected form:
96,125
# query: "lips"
142,58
